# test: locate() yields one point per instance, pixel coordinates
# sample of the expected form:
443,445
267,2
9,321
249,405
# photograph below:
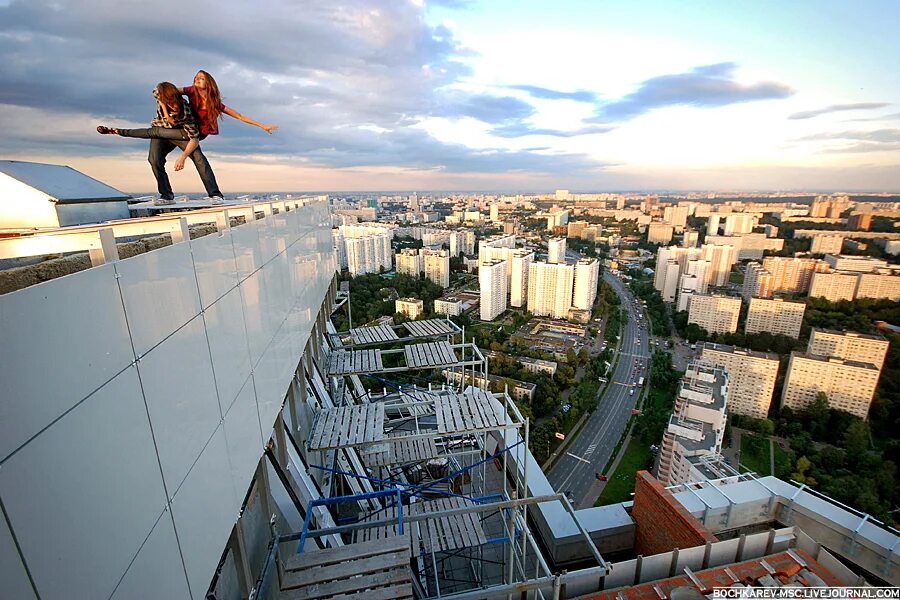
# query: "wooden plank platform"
449,532
472,411
374,334
348,362
432,354
346,426
377,569
381,533
399,451
428,328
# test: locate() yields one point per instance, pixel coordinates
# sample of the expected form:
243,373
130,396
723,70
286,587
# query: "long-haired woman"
206,102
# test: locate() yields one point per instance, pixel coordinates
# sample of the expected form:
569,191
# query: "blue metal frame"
341,499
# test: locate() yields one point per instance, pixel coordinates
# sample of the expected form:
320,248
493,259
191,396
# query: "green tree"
856,440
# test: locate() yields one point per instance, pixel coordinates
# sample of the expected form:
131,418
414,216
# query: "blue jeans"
162,141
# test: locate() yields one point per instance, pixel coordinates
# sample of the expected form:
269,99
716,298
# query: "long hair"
212,97
170,96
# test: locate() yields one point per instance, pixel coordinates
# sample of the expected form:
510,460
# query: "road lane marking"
578,458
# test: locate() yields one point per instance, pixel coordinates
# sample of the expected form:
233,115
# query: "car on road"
600,476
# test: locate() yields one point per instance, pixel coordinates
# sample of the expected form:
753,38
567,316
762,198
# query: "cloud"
517,130
705,86
856,142
548,94
809,114
890,117
348,83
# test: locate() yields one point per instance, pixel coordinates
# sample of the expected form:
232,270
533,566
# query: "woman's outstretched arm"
268,128
191,146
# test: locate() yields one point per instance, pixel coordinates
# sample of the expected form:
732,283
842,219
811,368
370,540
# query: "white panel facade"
84,489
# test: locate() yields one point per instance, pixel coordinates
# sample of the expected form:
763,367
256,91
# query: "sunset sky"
455,95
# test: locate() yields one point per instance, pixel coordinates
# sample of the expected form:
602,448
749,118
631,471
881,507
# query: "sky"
503,95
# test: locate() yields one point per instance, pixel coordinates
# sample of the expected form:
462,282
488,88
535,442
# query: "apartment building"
748,246
587,274
660,233
462,242
715,314
751,377
697,425
550,289
878,286
834,286
437,267
776,316
448,307
826,244
556,250
857,264
690,238
849,345
736,224
519,263
410,262
849,384
721,260
493,287
368,247
793,275
859,221
411,307
758,282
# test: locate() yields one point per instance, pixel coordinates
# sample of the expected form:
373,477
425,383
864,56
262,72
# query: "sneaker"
216,200
163,201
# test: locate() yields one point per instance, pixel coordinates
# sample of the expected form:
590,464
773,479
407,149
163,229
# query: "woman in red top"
206,103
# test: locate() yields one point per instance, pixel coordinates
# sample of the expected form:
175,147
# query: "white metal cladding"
136,399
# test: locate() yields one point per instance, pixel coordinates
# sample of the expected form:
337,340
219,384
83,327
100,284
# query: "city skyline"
471,95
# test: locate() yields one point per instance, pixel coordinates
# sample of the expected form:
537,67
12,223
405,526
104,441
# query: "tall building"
758,282
437,267
556,250
667,277
676,216
736,224
689,285
859,221
715,314
550,289
697,425
368,247
557,218
493,286
834,287
721,260
713,223
751,377
878,286
793,275
848,384
826,244
748,246
520,261
448,307
660,233
829,207
410,262
849,345
668,272
462,242
775,316
340,248
495,212
587,274
690,239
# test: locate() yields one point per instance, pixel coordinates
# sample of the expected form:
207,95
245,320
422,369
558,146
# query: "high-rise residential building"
849,345
437,267
793,275
669,271
696,428
495,212
556,250
576,228
550,289
448,307
859,221
690,239
660,233
826,244
748,246
519,263
462,242
736,224
666,278
751,377
411,307
829,207
368,247
688,286
713,223
878,286
492,282
834,287
715,314
848,384
340,248
676,216
721,260
775,316
587,274
857,264
758,282
557,218
410,262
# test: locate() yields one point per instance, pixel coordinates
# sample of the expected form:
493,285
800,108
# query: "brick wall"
663,524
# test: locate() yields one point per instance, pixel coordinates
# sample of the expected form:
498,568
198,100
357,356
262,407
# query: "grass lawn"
621,482
755,454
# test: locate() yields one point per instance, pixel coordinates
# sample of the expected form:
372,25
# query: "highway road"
575,472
